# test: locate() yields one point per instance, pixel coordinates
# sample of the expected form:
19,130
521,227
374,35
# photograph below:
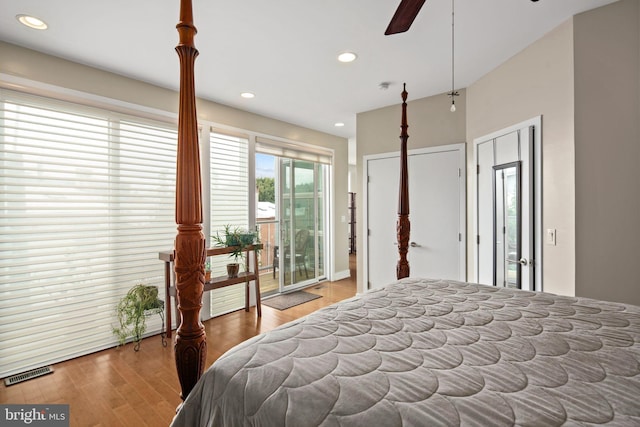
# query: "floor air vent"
34,373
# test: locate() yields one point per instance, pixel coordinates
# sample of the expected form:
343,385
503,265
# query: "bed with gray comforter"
432,353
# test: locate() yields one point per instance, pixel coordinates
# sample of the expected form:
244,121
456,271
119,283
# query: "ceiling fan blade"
404,16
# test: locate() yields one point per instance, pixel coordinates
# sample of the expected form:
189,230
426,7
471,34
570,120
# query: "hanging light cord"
453,92
452,46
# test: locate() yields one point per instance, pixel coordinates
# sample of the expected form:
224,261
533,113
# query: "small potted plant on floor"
132,310
238,239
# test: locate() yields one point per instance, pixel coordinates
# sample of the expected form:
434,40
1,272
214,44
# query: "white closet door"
484,239
435,221
514,144
382,214
437,215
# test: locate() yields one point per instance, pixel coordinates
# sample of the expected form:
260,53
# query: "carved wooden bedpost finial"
403,226
190,245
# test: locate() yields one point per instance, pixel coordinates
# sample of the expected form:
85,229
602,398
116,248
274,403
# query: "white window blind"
293,151
87,202
229,176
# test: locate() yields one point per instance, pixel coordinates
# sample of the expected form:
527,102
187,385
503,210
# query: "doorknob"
414,245
523,261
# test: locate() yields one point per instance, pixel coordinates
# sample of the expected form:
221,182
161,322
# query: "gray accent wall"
607,152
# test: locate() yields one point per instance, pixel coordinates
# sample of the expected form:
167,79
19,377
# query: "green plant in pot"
238,239
207,271
132,310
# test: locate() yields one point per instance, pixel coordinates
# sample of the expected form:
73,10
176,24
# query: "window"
229,178
301,206
87,203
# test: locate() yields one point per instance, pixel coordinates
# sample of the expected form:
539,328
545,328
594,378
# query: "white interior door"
434,194
382,214
496,263
437,214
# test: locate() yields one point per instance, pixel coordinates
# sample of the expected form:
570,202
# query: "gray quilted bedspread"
432,353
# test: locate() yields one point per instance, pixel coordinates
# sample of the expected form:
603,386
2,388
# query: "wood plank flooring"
120,387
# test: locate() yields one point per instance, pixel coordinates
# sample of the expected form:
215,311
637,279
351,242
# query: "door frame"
536,210
317,276
462,253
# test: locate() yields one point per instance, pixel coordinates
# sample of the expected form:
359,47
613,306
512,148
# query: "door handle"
523,261
414,245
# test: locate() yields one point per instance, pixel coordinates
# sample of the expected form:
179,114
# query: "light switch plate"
551,236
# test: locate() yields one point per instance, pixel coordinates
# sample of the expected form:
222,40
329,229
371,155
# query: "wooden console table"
215,282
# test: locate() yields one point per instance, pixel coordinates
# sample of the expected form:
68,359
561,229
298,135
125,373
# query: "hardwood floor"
120,387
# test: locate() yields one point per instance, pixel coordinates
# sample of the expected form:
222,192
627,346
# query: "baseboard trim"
339,275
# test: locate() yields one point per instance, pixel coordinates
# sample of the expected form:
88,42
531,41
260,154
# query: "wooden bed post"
403,226
190,245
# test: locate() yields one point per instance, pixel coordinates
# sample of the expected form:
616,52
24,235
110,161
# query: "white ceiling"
285,50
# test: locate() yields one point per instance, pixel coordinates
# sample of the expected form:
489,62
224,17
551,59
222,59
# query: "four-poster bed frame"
413,352
403,227
190,245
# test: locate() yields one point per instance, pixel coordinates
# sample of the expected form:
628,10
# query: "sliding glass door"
291,215
301,223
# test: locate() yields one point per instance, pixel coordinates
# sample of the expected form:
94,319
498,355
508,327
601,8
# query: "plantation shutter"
229,176
87,203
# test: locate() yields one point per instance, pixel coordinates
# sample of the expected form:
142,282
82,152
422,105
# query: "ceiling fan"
404,16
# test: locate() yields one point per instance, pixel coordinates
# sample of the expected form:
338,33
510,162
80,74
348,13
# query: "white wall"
353,170
536,81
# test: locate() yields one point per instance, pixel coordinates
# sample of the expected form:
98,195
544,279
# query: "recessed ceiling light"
339,124
347,57
32,22
247,95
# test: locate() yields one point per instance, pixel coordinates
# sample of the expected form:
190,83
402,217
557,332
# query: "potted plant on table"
207,271
237,239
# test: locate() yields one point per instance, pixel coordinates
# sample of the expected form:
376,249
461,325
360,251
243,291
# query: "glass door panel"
298,223
320,212
291,221
286,218
305,220
507,225
268,220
